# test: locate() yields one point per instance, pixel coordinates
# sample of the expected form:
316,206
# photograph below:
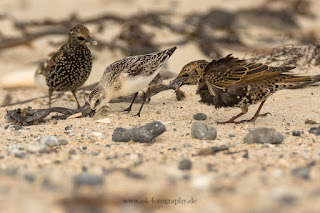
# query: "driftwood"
29,116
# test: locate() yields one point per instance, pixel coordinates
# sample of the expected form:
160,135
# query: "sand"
265,181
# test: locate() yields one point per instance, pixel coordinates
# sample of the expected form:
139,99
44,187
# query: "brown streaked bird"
70,66
231,82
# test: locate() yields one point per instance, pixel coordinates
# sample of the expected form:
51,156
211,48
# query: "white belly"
131,85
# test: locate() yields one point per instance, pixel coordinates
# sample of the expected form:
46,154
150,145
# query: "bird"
231,82
70,66
128,76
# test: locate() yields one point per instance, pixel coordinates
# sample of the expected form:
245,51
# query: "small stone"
37,148
17,127
97,134
87,179
62,142
6,126
232,136
202,131
263,135
20,155
29,177
67,128
315,131
200,116
1,157
72,152
302,172
296,133
185,164
143,134
213,150
49,140
246,154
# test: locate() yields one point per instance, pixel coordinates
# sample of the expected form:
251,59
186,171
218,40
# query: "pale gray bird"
128,76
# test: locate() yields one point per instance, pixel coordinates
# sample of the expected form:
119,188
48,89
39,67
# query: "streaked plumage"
128,76
70,66
230,82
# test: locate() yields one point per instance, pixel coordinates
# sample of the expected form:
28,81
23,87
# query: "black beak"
91,40
177,82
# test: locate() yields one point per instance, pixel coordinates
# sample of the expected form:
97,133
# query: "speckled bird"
230,82
70,66
128,76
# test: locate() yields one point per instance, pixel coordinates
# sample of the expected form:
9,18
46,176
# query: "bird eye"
97,102
80,38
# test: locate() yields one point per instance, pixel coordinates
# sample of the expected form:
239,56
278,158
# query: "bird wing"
229,71
54,60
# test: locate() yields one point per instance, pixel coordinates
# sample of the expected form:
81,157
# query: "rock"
29,177
315,131
213,150
72,152
17,127
49,140
263,135
37,148
143,134
87,179
246,154
302,172
185,164
62,142
67,128
1,157
200,116
20,155
13,148
202,131
97,134
296,133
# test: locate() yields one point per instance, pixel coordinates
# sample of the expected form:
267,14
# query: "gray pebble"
1,157
296,133
29,177
67,128
302,172
17,127
213,150
62,142
37,148
143,134
49,140
200,116
202,131
315,130
20,155
87,179
263,135
185,164
72,152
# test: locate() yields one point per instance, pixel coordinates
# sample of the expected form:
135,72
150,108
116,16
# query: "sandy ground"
263,182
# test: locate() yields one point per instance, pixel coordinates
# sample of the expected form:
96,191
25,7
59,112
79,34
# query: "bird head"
80,34
97,99
190,73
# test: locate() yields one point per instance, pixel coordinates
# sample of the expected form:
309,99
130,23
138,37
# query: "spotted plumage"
128,76
230,82
70,66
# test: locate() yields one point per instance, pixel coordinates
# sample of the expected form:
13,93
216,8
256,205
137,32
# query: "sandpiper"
231,82
128,76
70,66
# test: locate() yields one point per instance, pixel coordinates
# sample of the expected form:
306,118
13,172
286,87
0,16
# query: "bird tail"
308,81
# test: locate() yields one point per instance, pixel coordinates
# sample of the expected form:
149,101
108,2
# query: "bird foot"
128,110
243,121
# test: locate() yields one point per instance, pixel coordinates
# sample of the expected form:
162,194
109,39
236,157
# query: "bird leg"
256,115
244,111
74,94
144,100
231,120
50,94
129,108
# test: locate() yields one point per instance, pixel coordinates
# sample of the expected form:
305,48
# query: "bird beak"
177,82
90,39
